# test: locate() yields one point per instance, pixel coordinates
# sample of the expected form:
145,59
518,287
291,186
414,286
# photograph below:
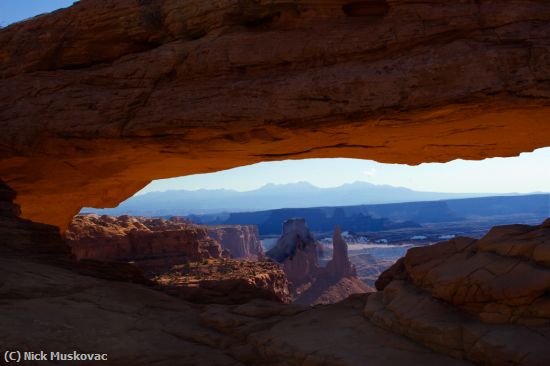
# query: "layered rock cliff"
152,244
113,94
178,257
483,300
242,241
340,265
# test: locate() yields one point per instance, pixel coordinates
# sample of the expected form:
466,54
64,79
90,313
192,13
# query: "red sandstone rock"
242,241
340,265
42,243
99,99
179,257
296,249
24,238
311,284
226,281
468,298
138,326
152,244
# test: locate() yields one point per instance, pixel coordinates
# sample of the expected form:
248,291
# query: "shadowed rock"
468,297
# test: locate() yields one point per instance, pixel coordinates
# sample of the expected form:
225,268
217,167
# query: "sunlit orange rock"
151,243
99,99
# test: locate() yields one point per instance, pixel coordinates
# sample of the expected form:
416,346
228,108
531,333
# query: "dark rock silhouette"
319,219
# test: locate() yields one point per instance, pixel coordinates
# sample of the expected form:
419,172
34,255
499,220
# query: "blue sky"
530,172
12,11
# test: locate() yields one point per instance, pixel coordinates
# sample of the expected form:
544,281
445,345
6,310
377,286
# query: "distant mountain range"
270,196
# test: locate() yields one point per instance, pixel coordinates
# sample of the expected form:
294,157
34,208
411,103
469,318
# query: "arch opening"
308,215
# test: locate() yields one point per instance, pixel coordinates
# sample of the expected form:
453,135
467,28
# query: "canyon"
98,99
451,303
181,258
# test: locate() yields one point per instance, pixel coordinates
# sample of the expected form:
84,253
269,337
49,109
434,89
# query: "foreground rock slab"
483,300
47,308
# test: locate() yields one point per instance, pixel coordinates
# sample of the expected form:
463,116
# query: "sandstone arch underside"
100,98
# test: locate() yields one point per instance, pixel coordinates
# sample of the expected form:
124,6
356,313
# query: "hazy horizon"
523,174
315,186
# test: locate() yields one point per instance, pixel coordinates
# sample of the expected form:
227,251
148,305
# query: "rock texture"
20,238
340,265
469,298
178,257
24,238
296,250
136,325
226,281
152,244
370,268
311,284
242,241
113,94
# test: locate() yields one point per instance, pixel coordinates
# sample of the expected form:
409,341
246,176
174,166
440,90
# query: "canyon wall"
152,244
178,257
242,241
113,94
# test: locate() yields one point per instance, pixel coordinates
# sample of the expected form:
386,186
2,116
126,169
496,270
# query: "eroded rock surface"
180,258
297,251
340,265
242,241
136,325
152,244
113,94
20,238
484,300
226,281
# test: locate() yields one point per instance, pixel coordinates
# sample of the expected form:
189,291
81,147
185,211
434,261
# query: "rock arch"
100,98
